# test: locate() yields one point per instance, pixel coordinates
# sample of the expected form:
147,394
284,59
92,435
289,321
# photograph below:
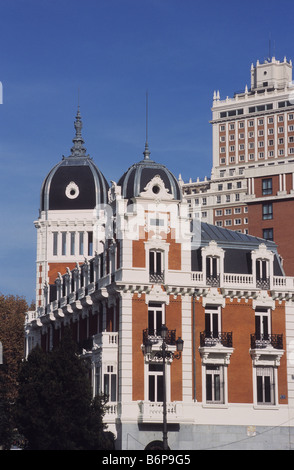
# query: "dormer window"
262,274
156,266
212,271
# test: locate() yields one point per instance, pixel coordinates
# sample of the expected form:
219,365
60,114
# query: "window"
156,265
63,243
268,234
228,211
55,243
262,323
155,318
81,243
109,384
218,212
155,382
267,211
228,222
267,186
237,210
212,322
218,199
265,385
212,271
72,243
214,383
237,221
90,243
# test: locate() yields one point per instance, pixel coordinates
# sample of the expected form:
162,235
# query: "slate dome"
135,179
75,182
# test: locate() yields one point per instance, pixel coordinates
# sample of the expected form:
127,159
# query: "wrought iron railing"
213,280
149,334
208,338
156,277
263,283
260,341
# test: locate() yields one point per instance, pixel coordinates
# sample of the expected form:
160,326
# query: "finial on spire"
78,149
146,152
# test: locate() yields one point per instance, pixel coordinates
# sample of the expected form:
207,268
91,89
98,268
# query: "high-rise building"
251,188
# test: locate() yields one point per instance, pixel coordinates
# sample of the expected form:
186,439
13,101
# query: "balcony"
262,341
152,412
210,339
155,336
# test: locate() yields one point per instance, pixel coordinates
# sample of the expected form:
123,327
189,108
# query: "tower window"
90,243
72,243
55,243
63,243
81,243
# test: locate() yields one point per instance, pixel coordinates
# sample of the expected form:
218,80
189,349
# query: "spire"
146,152
78,149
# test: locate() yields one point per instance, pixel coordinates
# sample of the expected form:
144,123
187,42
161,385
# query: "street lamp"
167,337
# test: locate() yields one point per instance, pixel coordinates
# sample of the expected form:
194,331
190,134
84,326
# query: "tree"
12,314
55,410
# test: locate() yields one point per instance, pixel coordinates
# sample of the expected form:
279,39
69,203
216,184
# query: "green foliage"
55,410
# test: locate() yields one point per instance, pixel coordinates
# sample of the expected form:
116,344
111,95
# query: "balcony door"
155,318
262,323
155,382
212,321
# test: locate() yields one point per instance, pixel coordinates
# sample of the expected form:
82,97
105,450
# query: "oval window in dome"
72,190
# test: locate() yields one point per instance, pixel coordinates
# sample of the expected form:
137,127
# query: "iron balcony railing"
260,341
263,283
213,280
149,334
209,338
157,278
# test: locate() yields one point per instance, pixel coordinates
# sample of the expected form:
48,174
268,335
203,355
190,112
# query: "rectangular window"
72,243
110,384
267,211
90,243
63,243
155,318
81,243
212,322
267,186
155,382
214,384
265,385
55,243
268,234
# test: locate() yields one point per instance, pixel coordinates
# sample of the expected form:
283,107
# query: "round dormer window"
156,189
72,190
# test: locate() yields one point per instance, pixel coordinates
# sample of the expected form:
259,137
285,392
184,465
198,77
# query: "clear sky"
112,51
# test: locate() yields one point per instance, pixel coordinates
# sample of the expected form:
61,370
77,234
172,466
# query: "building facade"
148,264
252,184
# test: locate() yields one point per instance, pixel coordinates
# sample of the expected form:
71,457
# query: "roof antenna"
146,152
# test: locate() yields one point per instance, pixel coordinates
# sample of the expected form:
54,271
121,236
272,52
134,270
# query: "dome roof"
75,182
137,177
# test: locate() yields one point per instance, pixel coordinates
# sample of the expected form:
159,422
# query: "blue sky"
112,51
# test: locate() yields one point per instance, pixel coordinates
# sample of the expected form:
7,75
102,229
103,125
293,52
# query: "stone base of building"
205,437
